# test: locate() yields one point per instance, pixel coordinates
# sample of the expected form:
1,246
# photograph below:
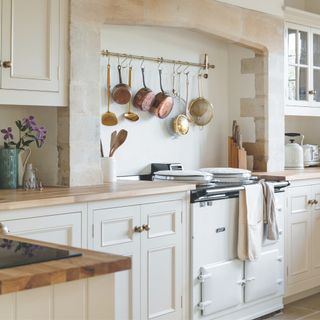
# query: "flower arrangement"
29,132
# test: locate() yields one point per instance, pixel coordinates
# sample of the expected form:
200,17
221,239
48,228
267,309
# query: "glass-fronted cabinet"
303,67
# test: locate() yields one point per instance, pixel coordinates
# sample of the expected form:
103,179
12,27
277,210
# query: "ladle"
109,118
129,115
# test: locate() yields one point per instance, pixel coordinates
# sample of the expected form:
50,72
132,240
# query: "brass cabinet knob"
315,202
7,64
146,227
138,229
310,202
312,92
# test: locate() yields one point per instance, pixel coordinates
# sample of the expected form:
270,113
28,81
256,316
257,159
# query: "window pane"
316,82
292,45
316,50
292,83
303,83
303,47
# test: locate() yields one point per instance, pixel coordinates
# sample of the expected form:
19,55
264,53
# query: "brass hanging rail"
206,65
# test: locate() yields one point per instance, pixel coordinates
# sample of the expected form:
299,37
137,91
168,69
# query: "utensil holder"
237,158
109,169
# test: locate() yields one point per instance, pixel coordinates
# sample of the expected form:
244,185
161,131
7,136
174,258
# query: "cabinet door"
298,65
264,277
298,234
315,72
30,42
113,232
315,226
62,229
161,261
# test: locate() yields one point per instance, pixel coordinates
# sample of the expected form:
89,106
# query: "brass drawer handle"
312,92
310,202
146,227
315,202
138,229
7,64
3,229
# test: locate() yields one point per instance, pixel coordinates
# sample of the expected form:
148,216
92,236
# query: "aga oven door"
221,286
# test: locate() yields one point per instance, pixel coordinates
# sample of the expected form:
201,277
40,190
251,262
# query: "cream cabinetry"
151,235
33,52
61,225
302,43
302,237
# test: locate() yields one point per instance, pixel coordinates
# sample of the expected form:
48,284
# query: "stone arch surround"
79,125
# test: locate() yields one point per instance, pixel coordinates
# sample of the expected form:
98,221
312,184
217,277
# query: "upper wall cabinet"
302,45
33,52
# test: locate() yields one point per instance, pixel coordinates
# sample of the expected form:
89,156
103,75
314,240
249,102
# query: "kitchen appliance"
192,176
311,155
223,287
294,152
231,175
16,253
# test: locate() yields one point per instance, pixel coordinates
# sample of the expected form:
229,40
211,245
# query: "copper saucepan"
163,102
144,98
121,93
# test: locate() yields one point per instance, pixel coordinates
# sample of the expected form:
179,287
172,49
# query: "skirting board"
301,295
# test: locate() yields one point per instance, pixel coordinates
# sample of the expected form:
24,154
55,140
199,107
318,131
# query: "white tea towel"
269,211
250,229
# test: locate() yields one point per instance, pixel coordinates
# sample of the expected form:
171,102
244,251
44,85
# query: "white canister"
109,169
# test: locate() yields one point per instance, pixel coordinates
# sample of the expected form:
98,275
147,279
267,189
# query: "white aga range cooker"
223,287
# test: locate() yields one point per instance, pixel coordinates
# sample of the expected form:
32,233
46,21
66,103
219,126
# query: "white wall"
46,158
273,7
149,140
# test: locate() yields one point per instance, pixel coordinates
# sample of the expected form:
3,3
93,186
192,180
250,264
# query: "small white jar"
109,169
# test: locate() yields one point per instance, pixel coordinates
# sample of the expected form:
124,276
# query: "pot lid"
223,171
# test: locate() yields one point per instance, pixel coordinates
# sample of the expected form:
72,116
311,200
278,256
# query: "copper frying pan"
121,93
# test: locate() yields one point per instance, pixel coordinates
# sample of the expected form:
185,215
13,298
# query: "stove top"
16,253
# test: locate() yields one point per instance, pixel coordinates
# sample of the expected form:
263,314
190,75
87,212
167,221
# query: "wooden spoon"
120,139
129,115
112,140
109,118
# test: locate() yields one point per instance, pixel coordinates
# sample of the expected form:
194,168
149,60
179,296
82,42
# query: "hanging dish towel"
250,229
269,211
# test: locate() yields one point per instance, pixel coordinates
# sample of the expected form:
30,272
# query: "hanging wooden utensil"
109,118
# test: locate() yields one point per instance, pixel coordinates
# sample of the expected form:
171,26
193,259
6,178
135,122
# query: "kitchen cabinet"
33,52
302,237
151,235
303,70
52,224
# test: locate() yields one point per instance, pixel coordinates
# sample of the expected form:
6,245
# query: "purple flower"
29,122
40,134
7,134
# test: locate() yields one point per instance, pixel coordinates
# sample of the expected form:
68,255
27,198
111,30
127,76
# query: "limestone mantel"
79,149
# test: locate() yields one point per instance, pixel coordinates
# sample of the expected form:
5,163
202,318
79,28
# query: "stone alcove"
79,126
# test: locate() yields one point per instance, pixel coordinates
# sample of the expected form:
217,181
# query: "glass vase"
9,168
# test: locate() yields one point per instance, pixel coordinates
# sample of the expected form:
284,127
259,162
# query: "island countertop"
49,196
36,275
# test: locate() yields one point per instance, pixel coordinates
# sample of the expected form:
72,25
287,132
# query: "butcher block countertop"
32,276
291,175
21,199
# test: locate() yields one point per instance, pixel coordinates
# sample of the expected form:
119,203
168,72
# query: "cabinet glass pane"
303,47
316,84
297,83
292,46
303,83
316,50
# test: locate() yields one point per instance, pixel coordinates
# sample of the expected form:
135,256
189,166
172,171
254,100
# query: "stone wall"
80,156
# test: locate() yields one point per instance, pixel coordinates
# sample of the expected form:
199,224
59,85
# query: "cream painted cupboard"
152,230
151,235
33,52
303,237
60,224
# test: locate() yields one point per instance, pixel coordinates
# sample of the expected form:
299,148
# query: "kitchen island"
80,287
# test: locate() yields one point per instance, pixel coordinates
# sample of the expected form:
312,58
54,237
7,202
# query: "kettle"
294,152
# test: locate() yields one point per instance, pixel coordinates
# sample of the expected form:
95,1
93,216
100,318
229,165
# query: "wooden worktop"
20,199
32,276
291,175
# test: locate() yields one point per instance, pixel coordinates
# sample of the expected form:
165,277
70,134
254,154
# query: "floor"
306,309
